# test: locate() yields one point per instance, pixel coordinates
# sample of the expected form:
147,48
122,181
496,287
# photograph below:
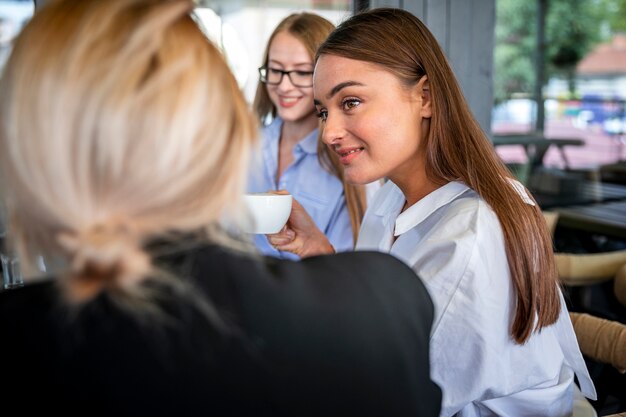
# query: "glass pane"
242,29
13,16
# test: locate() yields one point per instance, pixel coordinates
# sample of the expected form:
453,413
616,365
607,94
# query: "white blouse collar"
419,211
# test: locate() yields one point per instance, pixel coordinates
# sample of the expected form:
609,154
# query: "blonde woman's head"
119,123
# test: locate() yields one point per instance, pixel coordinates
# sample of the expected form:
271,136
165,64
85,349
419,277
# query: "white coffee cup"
269,212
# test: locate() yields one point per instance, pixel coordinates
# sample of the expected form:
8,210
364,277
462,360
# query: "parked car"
599,109
615,126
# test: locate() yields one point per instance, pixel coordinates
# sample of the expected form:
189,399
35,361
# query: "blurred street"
600,148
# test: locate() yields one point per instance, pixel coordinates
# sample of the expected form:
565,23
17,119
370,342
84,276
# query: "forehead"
285,47
330,66
332,70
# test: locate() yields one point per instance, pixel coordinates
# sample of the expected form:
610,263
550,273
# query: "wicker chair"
579,270
600,339
603,341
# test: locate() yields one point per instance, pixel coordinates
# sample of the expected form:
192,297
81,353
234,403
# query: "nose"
285,83
333,130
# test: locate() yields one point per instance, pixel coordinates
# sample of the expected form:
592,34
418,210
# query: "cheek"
382,132
392,141
271,92
368,125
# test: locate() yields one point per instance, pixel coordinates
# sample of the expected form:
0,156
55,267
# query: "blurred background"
567,55
530,70
570,56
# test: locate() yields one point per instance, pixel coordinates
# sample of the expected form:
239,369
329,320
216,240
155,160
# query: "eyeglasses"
274,76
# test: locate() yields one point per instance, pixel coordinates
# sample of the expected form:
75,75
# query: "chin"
292,116
358,178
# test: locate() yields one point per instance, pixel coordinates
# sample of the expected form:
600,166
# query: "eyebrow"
298,64
338,88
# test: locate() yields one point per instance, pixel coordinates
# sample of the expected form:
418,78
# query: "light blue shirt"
316,189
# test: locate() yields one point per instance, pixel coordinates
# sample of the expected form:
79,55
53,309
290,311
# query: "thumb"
281,192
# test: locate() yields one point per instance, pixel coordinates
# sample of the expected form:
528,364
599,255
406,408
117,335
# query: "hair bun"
103,257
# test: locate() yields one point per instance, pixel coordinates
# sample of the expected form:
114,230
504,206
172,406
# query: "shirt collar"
419,211
308,144
272,131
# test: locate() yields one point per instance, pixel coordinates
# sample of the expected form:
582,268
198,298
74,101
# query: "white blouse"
453,240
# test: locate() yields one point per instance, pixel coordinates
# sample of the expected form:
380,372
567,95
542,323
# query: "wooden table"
584,193
590,206
536,146
603,218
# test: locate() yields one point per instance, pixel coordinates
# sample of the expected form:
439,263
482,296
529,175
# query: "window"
13,16
242,29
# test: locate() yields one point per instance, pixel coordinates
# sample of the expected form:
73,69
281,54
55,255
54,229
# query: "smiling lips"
347,155
287,102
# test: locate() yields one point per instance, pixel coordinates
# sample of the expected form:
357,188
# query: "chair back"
600,339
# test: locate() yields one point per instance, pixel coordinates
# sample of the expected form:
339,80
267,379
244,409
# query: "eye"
303,73
274,71
322,114
350,103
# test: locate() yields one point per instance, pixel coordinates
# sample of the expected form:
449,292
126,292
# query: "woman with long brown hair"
292,157
391,107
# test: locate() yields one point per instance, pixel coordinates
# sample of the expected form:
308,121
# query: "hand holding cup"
301,235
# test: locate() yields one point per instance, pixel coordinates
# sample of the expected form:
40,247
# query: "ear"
423,89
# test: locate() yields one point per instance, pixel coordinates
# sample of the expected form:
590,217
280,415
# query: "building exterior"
603,71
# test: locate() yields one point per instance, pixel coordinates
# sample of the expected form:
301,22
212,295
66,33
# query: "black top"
339,335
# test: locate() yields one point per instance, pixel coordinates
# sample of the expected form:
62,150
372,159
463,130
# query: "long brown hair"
311,29
458,149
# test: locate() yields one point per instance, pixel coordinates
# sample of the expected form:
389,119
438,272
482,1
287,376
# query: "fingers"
284,237
279,241
286,241
292,247
282,192
300,236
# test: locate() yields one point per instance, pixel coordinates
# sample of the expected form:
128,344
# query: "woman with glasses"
292,157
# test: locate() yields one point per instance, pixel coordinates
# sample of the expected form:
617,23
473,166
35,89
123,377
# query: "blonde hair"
120,124
457,149
311,30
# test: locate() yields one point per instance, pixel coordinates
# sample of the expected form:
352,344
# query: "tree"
573,27
513,55
612,13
